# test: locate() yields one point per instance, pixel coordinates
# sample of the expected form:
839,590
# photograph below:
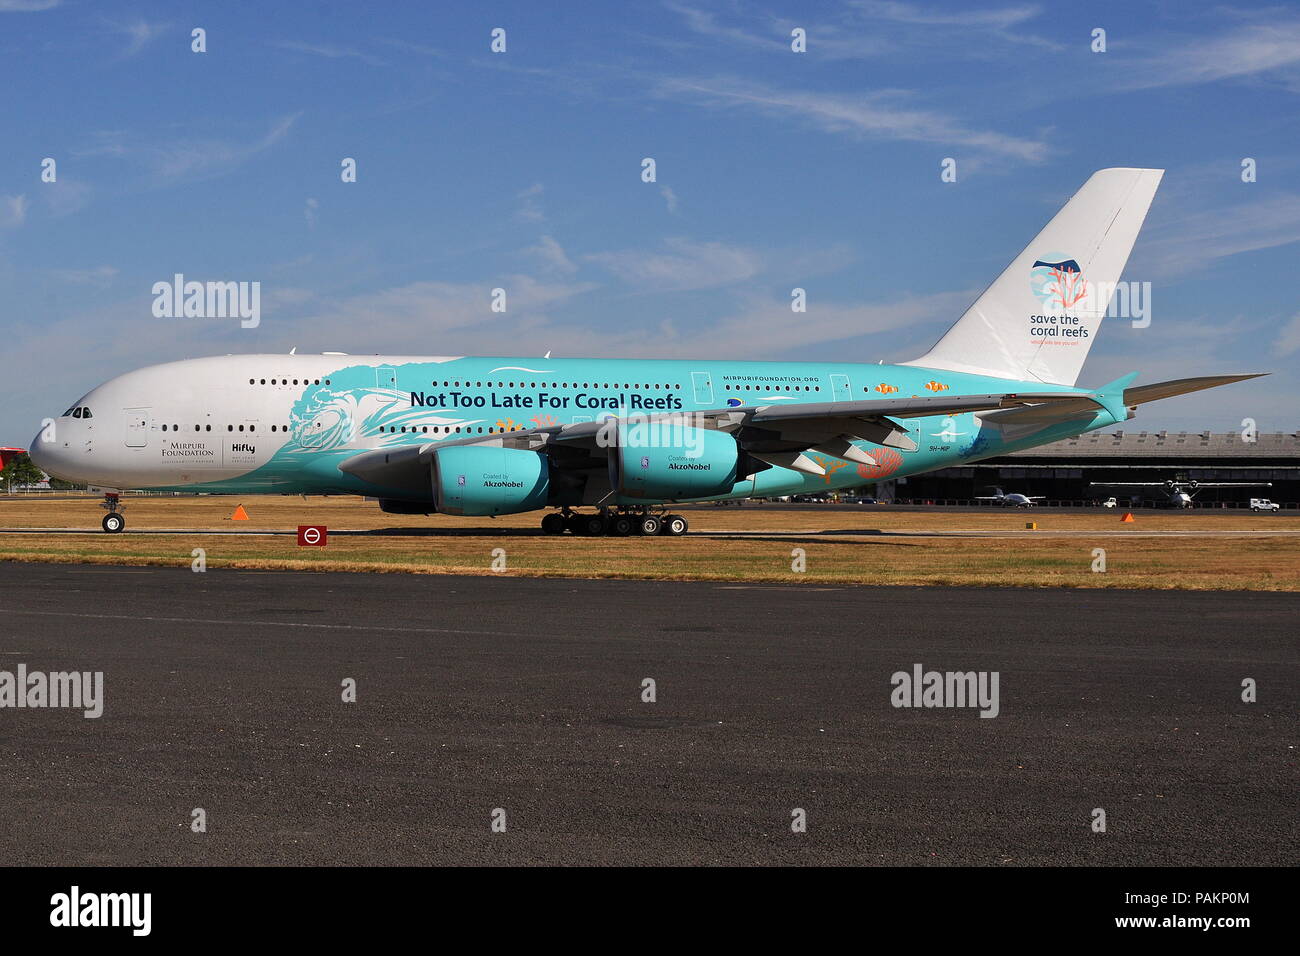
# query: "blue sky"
522,170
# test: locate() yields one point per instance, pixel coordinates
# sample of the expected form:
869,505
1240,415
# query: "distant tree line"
21,471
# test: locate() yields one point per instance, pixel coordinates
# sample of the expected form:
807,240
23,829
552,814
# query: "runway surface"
223,692
731,533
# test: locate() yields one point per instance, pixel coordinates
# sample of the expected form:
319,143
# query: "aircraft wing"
1179,485
1128,484
774,434
1198,485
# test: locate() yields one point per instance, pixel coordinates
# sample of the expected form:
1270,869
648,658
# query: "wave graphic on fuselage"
332,419
520,368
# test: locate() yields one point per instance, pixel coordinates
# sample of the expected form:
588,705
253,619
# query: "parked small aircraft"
1181,493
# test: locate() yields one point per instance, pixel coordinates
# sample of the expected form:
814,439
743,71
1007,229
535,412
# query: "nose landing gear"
113,521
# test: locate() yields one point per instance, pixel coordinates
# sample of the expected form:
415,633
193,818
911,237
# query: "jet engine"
666,461
489,480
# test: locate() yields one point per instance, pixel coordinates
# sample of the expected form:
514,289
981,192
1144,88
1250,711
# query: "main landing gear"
113,521
614,523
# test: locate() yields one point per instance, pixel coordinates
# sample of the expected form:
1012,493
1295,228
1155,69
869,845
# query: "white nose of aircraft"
45,454
61,449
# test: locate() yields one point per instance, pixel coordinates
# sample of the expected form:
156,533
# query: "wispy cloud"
200,159
997,22
13,211
875,115
100,276
868,29
461,309
707,23
1269,48
684,264
1192,241
65,196
766,328
1288,337
175,159
670,197
552,256
309,211
530,204
328,51
27,6
138,33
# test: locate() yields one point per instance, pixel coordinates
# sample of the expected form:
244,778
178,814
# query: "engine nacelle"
663,461
489,480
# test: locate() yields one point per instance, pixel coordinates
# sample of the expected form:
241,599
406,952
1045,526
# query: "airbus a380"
628,438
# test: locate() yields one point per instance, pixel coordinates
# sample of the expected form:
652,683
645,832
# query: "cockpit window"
85,412
68,412
76,413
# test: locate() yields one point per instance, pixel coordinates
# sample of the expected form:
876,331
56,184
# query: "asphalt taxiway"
223,691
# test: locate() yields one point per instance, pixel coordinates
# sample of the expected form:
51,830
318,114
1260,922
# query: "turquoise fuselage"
347,406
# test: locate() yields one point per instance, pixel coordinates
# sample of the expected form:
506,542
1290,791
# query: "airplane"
1180,493
630,438
1013,500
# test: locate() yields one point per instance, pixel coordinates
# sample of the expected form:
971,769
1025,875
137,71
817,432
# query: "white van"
1263,504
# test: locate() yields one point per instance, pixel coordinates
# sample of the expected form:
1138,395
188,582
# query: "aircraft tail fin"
1038,319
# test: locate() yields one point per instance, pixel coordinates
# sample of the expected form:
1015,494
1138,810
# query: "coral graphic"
1057,281
1065,287
888,461
544,421
507,425
831,465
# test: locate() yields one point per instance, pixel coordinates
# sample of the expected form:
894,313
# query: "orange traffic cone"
242,515
1128,516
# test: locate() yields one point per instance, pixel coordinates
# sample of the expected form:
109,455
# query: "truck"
1263,504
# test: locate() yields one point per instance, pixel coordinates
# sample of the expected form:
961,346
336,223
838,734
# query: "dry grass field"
1191,550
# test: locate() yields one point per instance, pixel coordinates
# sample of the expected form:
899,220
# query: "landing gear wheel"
675,526
619,525
113,522
591,525
553,523
649,524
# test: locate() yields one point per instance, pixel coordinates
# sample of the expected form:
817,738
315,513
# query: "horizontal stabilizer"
1180,386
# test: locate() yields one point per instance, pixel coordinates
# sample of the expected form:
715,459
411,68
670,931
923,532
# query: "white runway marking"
226,622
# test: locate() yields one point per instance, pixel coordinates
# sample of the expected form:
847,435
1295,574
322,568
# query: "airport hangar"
1063,470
